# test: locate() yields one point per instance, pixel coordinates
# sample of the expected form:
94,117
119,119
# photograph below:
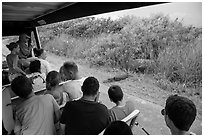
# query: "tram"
26,17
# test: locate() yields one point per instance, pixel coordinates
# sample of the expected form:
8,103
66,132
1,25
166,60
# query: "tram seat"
130,119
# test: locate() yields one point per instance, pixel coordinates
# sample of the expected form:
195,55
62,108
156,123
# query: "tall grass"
151,45
183,64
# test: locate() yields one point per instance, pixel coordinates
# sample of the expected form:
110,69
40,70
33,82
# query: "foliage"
147,45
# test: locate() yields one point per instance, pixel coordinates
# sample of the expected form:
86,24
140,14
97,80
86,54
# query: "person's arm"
57,113
64,117
15,65
47,66
32,59
62,126
17,126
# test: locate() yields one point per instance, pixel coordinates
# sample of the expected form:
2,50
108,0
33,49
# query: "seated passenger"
118,128
52,85
179,114
37,78
35,115
12,61
85,116
69,71
121,109
41,56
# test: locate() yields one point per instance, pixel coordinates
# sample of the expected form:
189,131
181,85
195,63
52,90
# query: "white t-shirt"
35,116
38,80
73,88
45,66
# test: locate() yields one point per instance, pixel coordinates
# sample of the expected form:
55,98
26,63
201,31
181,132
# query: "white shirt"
45,66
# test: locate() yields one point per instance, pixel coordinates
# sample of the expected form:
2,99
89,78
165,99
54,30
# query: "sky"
190,12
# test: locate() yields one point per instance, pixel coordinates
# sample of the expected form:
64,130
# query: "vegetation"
155,45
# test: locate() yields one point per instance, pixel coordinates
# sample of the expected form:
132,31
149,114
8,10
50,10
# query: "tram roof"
20,16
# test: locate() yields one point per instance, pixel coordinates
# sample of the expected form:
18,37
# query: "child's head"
90,86
118,128
35,66
40,53
115,93
179,112
69,71
53,79
13,46
22,86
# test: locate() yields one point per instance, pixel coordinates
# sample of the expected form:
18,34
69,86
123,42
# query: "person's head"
22,86
24,37
13,46
40,53
118,128
179,113
35,66
53,79
115,93
90,87
69,71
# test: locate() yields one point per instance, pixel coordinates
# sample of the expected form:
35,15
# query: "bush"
183,64
147,45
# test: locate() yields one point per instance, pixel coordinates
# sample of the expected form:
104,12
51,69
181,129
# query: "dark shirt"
83,117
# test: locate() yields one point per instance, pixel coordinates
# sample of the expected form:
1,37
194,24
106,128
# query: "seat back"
130,118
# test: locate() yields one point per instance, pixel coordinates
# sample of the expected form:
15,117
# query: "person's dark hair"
90,86
22,86
35,66
181,111
12,45
115,93
118,128
53,79
70,69
38,52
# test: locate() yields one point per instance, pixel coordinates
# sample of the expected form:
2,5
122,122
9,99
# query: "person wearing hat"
179,114
25,50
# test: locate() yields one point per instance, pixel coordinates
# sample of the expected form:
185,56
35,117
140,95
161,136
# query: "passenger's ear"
97,96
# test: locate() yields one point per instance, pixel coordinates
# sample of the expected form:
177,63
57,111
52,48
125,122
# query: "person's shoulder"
72,104
47,96
102,106
9,56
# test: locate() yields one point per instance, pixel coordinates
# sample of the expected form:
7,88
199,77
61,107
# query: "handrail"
132,115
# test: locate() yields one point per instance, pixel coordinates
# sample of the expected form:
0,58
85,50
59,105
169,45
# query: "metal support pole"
37,39
137,124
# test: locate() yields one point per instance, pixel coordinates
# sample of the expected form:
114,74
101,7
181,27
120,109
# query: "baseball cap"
24,35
